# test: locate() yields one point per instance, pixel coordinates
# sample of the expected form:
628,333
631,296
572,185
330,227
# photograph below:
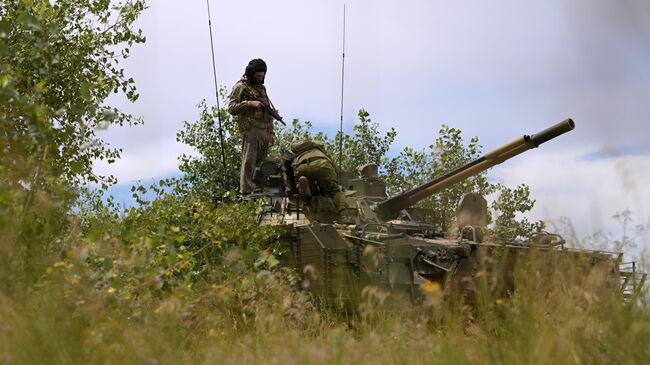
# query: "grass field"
117,293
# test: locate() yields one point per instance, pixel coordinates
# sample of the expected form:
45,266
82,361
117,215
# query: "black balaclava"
254,66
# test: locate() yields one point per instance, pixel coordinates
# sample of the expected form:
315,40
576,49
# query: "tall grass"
135,288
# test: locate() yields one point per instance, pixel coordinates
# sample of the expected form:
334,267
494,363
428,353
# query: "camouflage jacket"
307,150
248,117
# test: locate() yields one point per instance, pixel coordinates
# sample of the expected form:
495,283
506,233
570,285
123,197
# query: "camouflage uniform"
255,127
311,161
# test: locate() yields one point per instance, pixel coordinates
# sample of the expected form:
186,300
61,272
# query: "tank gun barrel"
389,208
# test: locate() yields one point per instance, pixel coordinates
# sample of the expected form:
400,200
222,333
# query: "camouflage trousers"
255,148
322,172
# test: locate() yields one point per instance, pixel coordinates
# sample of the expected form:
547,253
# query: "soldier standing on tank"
312,164
255,125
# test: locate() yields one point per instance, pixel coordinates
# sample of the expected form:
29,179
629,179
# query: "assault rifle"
267,108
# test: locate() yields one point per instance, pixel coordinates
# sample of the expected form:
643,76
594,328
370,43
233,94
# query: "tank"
384,245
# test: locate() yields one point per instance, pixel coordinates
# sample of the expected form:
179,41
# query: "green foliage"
204,172
59,61
365,145
48,121
296,131
508,204
415,167
412,168
172,241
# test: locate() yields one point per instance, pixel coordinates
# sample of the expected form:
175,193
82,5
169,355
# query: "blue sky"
494,69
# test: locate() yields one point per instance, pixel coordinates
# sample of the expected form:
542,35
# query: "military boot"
303,188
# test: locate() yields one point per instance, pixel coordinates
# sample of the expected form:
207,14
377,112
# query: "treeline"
204,173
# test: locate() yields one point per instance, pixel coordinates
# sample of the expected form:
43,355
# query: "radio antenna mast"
342,84
216,91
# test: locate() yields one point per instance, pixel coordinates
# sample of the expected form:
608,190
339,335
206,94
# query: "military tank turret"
379,241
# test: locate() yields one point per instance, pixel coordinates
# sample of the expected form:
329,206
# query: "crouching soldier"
311,163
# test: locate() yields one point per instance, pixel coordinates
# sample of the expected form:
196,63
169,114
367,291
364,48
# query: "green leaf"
5,29
259,262
29,21
263,274
4,80
109,114
41,86
77,167
85,91
272,261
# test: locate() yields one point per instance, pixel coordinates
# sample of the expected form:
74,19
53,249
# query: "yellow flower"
431,287
221,287
197,215
111,290
499,301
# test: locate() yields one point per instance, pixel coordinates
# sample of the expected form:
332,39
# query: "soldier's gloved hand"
253,104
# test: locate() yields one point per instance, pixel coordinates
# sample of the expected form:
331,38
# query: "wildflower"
431,287
216,242
221,287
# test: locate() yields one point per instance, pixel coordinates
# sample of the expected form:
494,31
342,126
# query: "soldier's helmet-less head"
256,65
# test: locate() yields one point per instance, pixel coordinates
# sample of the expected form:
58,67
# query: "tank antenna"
224,181
342,84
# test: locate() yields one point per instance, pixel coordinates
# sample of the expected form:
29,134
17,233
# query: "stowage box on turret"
380,244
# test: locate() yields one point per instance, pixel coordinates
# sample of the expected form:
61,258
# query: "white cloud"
587,191
149,160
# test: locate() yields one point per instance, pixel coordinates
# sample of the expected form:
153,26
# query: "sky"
494,69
